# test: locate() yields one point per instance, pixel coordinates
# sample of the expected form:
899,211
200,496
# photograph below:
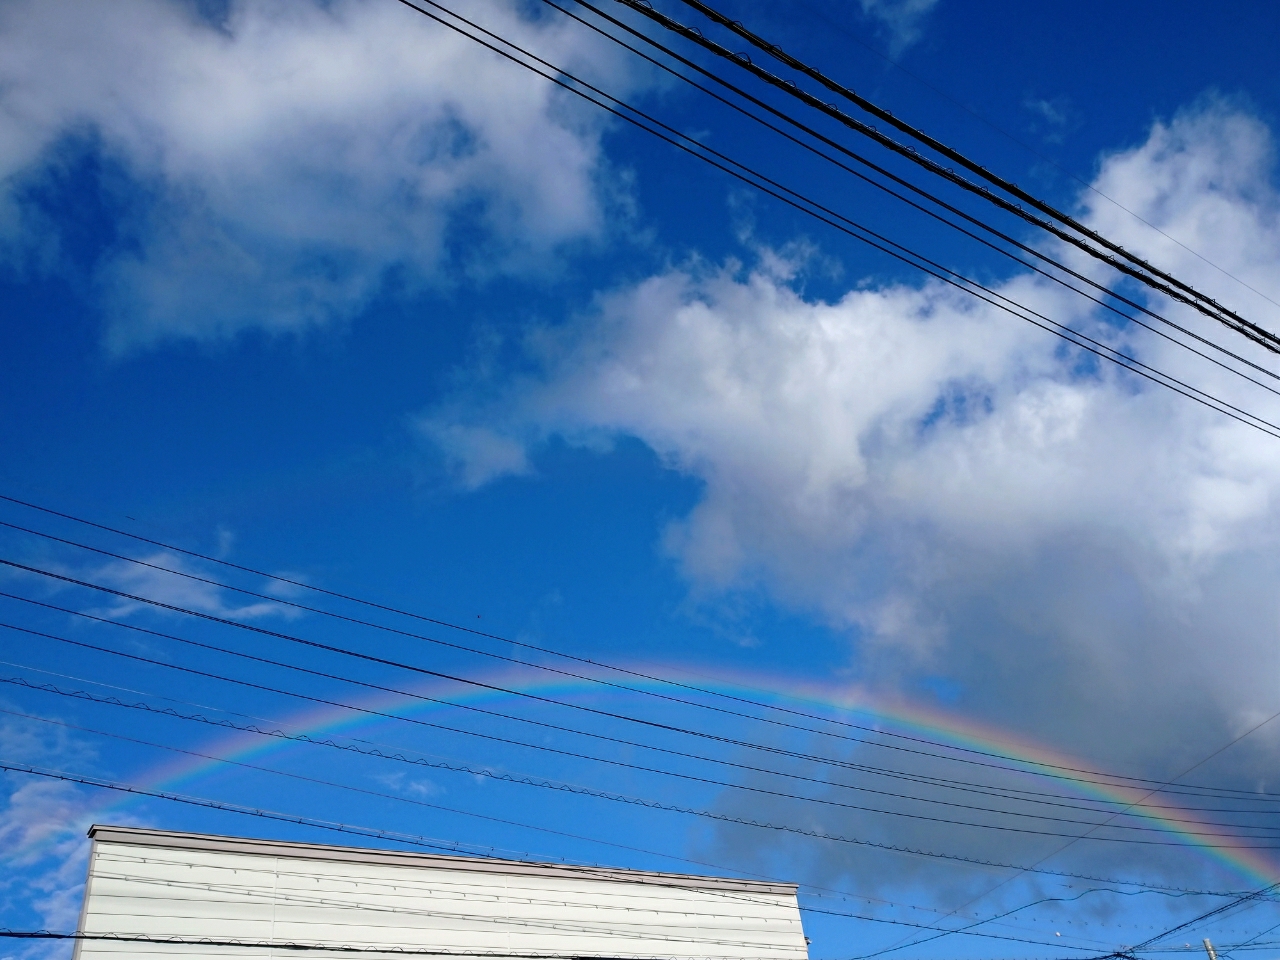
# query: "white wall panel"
188,886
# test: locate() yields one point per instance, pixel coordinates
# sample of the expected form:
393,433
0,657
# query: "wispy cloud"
1053,118
902,20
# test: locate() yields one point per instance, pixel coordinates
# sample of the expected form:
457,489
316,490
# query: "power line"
1160,785
1008,913
327,947
965,786
916,189
84,695
510,742
1243,900
295,946
396,664
1153,277
370,832
964,931
812,834
384,661
1087,835
898,65
824,891
1042,768
412,891
1026,796
852,229
485,653
378,753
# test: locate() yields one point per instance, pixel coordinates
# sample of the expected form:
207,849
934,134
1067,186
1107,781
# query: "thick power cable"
839,222
1144,272
914,188
286,601
977,115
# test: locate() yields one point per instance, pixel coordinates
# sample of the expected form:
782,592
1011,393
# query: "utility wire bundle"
986,791
740,745
1006,198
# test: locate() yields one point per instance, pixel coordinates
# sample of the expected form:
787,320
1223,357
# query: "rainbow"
843,702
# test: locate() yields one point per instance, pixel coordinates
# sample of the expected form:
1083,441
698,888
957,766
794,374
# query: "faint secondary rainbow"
829,701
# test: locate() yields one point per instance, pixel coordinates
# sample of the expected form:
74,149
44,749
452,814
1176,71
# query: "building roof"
139,836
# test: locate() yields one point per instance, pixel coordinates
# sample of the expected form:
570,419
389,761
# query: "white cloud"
902,20
1080,551
43,843
278,169
183,591
1206,180
185,587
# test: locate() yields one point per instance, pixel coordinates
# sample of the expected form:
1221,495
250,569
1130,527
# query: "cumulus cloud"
1077,550
277,168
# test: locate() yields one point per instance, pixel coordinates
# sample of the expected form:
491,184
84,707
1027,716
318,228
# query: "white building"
266,898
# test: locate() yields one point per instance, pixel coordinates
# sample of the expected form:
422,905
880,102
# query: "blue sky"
326,291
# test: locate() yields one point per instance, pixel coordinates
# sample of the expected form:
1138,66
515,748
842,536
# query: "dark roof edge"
140,836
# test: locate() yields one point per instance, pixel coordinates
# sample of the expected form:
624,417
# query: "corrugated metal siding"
166,891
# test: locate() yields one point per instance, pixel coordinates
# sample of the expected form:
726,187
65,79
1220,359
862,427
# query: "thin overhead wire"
339,827
1105,777
1132,265
1085,836
892,848
1099,778
115,701
1092,188
295,946
1039,255
857,231
492,687
930,780
378,752
666,727
1003,792
1246,900
1096,777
